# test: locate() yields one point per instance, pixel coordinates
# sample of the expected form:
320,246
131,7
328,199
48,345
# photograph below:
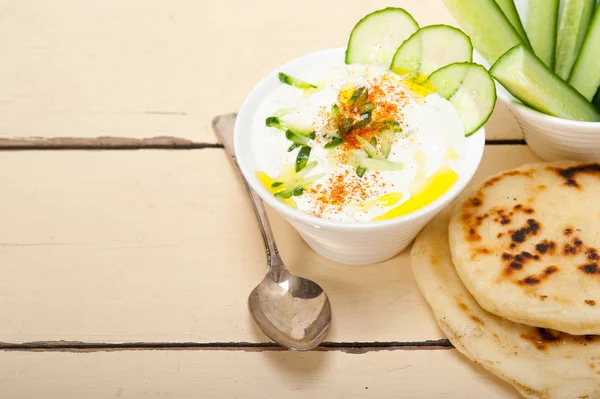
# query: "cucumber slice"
573,22
527,78
539,18
371,149
510,11
470,89
377,36
378,164
431,48
487,26
585,76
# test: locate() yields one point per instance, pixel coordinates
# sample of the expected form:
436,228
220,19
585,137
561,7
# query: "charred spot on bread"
520,235
590,268
545,246
570,174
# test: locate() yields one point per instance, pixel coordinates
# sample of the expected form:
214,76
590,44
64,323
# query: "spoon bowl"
294,311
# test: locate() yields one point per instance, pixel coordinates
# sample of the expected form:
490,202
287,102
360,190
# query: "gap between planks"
347,347
102,143
122,143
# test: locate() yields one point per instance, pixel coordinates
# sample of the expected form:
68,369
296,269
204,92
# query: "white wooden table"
127,245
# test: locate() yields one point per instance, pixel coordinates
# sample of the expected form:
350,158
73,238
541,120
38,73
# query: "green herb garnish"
345,125
366,108
359,97
336,141
293,147
362,123
277,184
335,110
360,171
302,158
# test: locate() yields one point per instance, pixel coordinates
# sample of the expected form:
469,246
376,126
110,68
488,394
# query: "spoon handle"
223,127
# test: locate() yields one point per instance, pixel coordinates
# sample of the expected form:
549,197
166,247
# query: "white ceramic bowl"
349,243
552,138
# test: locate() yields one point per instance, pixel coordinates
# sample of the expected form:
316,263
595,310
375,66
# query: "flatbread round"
540,363
526,244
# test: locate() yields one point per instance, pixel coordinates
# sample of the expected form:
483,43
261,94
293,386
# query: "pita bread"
540,363
526,244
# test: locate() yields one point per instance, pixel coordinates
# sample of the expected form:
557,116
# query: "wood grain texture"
162,246
150,68
225,374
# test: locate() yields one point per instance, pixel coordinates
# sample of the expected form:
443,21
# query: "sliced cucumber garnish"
527,78
377,36
296,186
573,22
371,149
372,159
299,139
379,164
431,48
278,123
487,26
585,76
510,11
387,139
470,89
539,18
295,82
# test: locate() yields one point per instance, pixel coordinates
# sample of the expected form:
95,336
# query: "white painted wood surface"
148,68
162,246
235,374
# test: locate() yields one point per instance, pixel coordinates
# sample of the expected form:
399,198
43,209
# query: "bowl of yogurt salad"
359,147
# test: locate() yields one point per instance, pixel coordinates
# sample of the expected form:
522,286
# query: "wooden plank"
148,68
162,246
236,374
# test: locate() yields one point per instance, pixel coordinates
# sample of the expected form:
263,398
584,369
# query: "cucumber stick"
431,48
510,11
470,89
573,22
540,18
531,81
487,26
585,76
375,38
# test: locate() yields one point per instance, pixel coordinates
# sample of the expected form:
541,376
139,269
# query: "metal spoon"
291,310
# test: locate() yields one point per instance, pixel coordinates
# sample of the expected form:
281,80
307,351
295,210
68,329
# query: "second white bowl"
552,138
